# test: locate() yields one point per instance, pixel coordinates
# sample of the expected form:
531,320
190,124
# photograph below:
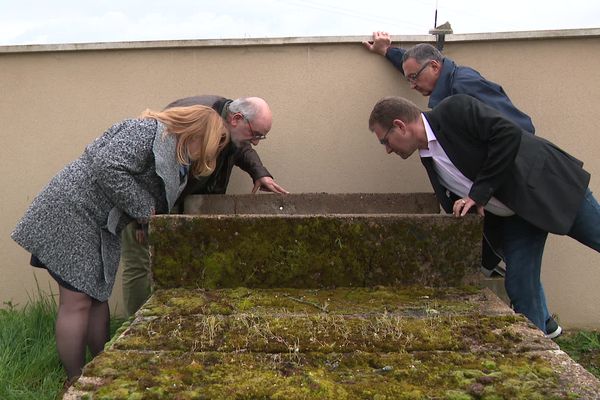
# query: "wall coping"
161,44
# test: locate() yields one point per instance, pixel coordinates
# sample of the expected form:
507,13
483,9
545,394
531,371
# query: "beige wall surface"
55,100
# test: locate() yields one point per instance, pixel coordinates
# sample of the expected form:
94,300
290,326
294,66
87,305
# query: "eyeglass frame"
412,78
255,135
384,140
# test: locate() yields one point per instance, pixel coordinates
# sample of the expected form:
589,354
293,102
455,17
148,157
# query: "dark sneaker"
553,330
498,271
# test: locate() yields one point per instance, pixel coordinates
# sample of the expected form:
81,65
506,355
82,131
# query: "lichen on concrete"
356,375
314,251
321,332
286,344
411,301
320,307
339,320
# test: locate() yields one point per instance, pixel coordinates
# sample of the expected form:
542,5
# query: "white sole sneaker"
554,334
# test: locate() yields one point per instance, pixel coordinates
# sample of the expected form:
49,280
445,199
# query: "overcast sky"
77,21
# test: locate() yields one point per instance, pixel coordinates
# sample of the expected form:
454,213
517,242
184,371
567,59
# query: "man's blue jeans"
523,249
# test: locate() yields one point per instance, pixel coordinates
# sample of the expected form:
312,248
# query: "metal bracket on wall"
440,32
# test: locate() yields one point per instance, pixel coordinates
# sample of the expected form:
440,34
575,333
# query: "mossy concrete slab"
417,301
341,320
313,203
275,302
358,375
347,343
261,251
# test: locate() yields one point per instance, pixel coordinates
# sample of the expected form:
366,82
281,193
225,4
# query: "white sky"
77,21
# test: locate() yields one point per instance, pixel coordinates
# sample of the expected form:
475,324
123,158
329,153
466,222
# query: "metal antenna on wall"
440,31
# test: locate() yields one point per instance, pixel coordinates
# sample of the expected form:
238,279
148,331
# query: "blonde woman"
138,167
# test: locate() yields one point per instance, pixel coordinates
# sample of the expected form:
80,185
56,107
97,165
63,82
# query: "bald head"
257,116
263,116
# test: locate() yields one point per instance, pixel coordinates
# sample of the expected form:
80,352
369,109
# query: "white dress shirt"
451,178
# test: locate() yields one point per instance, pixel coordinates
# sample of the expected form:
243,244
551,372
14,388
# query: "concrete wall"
55,99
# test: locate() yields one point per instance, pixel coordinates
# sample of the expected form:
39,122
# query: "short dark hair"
423,52
390,108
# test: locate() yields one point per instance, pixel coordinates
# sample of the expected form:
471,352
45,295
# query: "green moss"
407,301
124,326
340,320
348,343
313,252
315,375
319,332
349,308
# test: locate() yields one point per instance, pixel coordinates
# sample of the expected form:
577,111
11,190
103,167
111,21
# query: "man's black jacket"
243,156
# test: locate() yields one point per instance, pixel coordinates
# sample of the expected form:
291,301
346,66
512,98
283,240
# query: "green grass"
583,347
29,364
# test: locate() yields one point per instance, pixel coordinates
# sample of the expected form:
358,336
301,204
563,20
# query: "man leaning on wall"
248,121
434,75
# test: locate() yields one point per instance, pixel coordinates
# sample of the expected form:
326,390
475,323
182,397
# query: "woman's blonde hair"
190,123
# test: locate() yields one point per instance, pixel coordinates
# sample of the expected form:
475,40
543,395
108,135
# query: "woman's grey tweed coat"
73,225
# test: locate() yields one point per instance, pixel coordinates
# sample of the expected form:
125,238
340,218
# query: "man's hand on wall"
462,206
267,184
380,44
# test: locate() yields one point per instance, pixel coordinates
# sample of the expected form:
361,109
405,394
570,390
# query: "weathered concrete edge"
573,375
491,304
197,43
313,204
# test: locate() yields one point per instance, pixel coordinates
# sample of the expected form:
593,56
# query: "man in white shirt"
478,160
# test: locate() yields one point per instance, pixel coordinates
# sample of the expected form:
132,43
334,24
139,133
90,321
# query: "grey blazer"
73,225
